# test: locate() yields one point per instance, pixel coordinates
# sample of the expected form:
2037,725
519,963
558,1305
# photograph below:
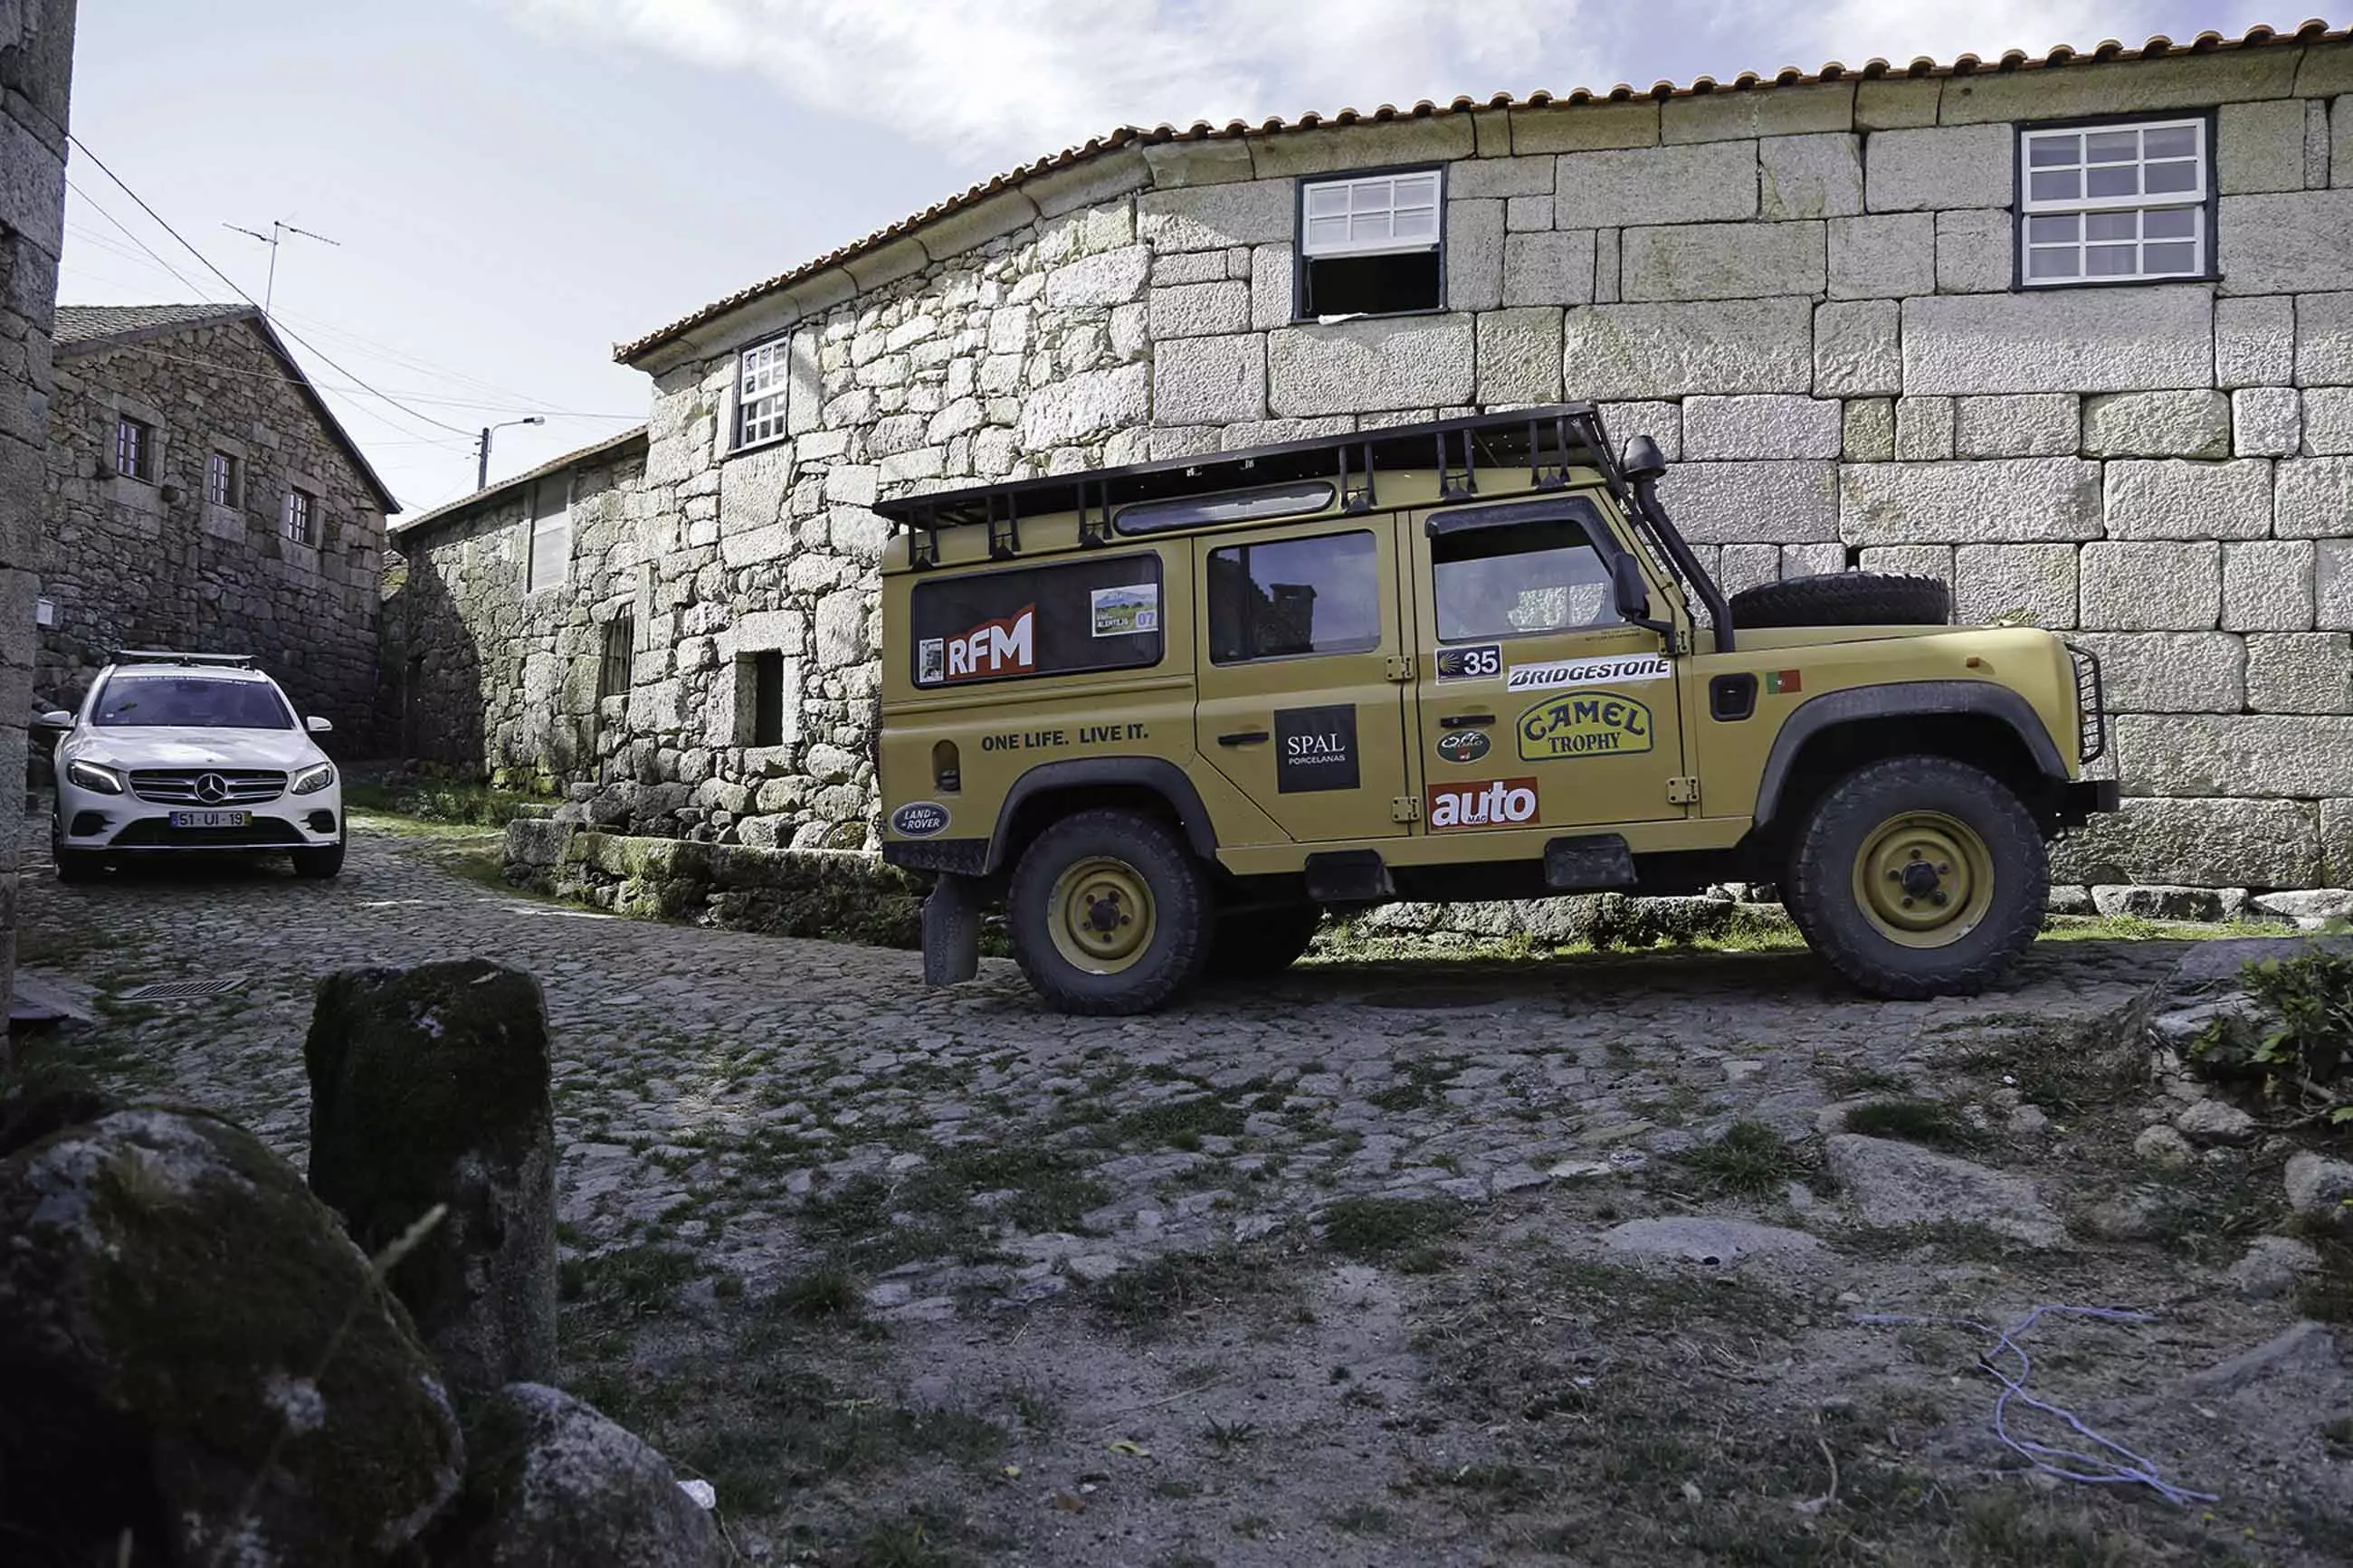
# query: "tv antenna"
279,229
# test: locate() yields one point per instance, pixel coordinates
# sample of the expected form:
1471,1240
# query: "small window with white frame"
760,393
1372,244
2115,203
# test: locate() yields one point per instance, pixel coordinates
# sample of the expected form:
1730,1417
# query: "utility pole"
279,229
483,447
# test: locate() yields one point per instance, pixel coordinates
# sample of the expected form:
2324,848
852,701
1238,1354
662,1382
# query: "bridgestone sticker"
1588,672
1126,612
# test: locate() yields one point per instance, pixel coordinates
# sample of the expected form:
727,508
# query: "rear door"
1301,703
1537,705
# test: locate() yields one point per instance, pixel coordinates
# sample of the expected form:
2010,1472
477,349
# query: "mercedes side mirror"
1633,592
1642,460
318,726
56,718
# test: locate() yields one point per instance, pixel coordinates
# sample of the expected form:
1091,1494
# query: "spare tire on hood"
1843,599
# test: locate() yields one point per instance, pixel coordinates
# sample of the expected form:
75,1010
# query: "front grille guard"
2091,704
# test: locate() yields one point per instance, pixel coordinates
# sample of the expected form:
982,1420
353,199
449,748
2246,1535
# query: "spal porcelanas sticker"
1126,612
1607,670
1603,724
920,819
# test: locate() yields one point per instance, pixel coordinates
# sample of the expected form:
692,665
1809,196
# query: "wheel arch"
1052,790
1985,725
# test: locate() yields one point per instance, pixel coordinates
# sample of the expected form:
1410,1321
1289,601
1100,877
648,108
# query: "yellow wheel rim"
1103,915
1924,878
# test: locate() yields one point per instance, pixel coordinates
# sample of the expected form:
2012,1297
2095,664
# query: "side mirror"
1642,460
56,718
318,726
1633,593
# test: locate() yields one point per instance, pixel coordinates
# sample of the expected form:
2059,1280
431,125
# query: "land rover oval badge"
1463,746
919,819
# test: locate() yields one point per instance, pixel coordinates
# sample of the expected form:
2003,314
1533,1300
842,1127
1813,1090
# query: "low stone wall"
839,895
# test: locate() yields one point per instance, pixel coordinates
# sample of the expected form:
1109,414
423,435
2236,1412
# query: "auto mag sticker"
1603,724
920,819
1492,803
1605,671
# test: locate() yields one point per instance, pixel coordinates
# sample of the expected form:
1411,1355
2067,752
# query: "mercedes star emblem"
211,788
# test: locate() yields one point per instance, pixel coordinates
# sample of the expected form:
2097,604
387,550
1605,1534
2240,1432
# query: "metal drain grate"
181,990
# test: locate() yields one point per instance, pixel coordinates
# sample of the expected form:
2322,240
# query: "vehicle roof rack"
1544,441
166,656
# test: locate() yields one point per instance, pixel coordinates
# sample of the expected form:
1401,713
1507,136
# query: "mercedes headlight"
311,780
91,775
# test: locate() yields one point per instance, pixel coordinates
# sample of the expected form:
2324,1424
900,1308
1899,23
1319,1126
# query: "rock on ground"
552,1483
2215,1121
1894,1184
2273,1265
2320,1188
431,1086
1696,1239
2161,1145
178,1313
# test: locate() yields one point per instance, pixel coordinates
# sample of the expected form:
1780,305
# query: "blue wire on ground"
2093,1468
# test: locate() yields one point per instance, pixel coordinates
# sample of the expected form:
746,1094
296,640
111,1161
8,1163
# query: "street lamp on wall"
482,465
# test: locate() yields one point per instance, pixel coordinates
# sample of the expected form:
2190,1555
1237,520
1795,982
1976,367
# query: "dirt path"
1342,1269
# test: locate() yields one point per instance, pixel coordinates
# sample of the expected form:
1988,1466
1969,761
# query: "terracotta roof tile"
1202,130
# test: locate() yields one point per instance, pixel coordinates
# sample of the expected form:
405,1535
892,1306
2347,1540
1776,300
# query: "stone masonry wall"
36,74
1804,293
480,675
128,568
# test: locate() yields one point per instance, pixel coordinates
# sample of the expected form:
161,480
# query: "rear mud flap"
952,932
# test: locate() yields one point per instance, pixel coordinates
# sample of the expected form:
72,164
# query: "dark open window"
768,699
134,448
1372,243
615,668
1293,596
221,479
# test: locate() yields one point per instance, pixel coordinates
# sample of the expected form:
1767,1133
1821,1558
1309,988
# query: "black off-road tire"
1255,943
1843,599
319,864
1184,914
1819,886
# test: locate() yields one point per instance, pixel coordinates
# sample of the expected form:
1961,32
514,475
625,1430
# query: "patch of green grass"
2011,1529
633,1281
1851,1082
446,801
1151,1296
1375,1230
1750,1160
787,1428
1362,1518
871,1223
827,1296
1924,1122
1174,1122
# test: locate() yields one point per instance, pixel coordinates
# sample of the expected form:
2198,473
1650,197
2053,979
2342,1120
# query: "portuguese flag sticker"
1783,680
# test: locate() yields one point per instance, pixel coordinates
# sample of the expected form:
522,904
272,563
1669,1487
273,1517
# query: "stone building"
36,78
200,495
2074,333
511,618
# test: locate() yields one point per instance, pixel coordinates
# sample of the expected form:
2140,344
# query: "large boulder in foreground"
430,1086
1896,1184
552,1483
192,1351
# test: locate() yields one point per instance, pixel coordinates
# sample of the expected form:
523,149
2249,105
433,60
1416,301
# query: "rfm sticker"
1502,803
1007,646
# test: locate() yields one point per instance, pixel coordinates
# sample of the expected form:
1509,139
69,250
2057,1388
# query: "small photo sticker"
931,661
1126,612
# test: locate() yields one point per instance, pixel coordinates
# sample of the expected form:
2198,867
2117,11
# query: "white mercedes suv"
191,751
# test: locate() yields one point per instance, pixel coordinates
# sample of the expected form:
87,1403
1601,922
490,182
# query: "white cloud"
1014,79
1853,31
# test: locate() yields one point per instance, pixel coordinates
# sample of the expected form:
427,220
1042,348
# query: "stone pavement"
753,1096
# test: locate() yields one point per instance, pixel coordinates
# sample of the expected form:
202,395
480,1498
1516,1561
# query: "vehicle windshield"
194,702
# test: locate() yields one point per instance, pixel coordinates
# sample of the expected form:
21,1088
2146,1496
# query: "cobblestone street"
1387,1263
715,1079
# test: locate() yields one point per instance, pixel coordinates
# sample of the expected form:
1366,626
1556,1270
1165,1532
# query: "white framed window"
550,534
301,517
221,477
760,393
1372,243
2116,202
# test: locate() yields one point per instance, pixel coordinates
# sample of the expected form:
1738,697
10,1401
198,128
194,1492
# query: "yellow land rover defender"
1169,712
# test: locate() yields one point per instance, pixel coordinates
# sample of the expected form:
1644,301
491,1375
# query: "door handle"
1243,738
1464,720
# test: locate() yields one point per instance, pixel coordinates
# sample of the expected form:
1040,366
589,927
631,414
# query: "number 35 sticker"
1483,662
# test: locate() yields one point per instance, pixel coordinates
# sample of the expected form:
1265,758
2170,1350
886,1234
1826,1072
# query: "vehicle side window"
1099,613
1520,579
1293,596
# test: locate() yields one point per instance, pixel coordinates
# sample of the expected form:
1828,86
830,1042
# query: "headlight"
311,780
90,775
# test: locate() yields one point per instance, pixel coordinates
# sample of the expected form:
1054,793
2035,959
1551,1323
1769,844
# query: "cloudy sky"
514,185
